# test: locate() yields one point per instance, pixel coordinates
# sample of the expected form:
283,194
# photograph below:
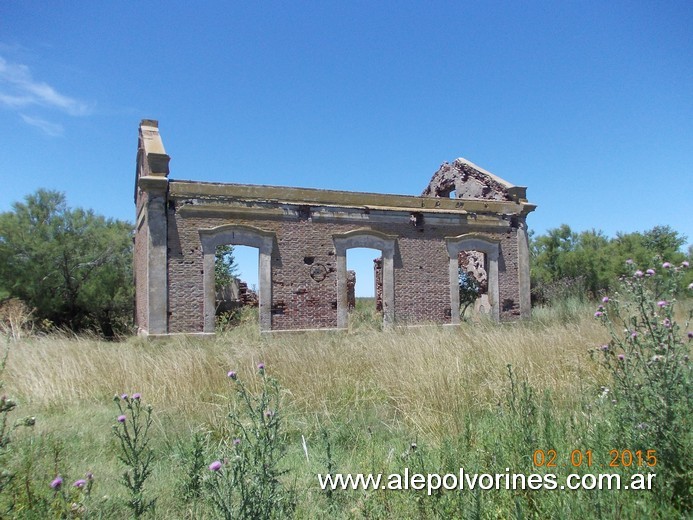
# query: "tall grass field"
242,424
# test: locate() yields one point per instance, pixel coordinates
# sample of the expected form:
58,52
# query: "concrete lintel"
366,236
472,241
309,196
354,213
218,210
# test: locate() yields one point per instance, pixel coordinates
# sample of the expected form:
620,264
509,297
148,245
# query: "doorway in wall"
473,284
364,273
236,285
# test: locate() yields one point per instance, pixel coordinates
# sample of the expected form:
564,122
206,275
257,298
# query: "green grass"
368,395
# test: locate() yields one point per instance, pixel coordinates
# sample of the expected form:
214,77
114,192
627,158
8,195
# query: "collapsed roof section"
465,180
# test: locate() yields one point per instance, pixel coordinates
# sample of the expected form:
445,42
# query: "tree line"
73,268
586,265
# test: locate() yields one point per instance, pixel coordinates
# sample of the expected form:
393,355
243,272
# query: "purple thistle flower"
137,396
604,347
236,442
685,263
215,466
638,274
124,397
57,482
662,303
621,357
666,265
79,483
666,323
269,414
634,335
232,374
598,314
650,272
690,334
261,366
629,261
89,475
122,418
605,299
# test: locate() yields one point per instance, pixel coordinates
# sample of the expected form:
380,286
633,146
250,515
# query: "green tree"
664,242
225,268
469,290
72,266
566,263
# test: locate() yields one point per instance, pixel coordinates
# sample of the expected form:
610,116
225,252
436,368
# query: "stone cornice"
218,192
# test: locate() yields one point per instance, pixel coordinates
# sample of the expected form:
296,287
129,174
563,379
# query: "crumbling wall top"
469,181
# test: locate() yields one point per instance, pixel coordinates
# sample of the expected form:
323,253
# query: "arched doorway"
241,236
369,239
491,251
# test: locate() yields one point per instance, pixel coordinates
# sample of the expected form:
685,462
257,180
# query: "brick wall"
170,263
508,276
185,269
304,270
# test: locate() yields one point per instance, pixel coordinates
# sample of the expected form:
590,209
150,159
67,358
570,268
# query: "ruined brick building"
303,235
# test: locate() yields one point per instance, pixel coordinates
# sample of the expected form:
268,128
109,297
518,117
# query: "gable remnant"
466,180
303,235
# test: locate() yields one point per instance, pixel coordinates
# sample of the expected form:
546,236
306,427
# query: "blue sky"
589,104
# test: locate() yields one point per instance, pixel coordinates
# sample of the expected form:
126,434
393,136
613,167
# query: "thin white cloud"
48,128
18,89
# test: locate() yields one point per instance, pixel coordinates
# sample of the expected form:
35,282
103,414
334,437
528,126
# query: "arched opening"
236,285
482,254
261,243
473,284
365,238
364,285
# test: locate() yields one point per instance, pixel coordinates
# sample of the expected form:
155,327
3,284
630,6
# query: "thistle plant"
648,361
71,500
244,481
194,460
132,432
7,406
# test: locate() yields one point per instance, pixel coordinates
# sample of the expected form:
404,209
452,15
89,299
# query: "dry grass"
422,378
372,392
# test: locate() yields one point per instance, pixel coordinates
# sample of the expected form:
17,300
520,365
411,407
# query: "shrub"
15,318
648,362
